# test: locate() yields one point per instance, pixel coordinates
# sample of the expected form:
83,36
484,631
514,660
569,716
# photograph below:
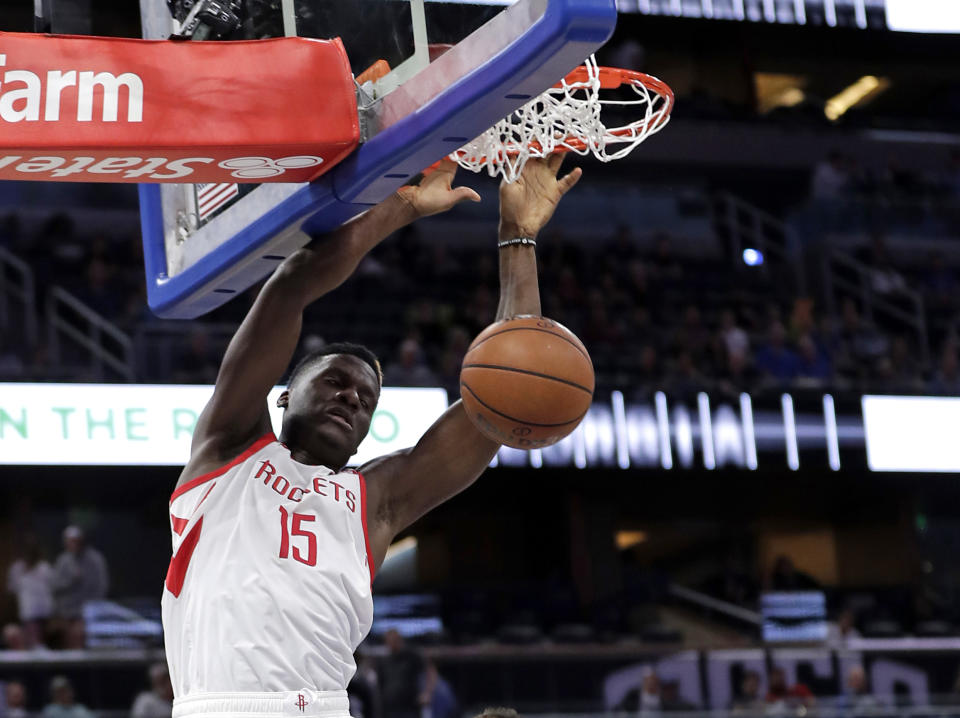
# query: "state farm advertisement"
89,109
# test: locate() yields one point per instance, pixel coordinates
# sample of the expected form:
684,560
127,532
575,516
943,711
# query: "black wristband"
523,241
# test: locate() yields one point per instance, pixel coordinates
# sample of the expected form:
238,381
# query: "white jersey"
269,586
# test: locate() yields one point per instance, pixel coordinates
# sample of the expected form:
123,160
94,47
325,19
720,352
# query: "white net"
567,118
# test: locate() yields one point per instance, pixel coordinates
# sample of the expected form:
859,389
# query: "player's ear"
283,399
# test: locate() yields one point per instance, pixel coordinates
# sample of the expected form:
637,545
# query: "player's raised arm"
453,453
263,346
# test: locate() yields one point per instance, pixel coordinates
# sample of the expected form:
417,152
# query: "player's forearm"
519,288
328,261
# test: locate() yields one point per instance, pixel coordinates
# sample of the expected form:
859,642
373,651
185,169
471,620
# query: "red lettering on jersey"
318,485
351,501
277,484
294,496
336,490
297,529
266,470
177,572
284,536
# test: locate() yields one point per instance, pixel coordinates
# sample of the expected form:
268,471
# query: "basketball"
526,382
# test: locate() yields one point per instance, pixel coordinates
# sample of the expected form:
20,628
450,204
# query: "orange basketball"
526,382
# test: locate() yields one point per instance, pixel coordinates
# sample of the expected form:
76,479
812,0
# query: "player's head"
16,695
73,539
61,691
330,399
393,640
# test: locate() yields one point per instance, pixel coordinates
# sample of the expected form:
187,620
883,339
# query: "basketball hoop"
566,118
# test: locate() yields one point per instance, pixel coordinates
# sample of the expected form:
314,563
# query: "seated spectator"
667,269
622,248
691,336
738,375
782,698
735,340
748,699
442,701
16,700
63,703
802,320
427,320
158,701
569,290
100,292
844,630
671,699
410,369
650,699
66,250
900,371
29,579
947,378
858,341
79,575
400,672
774,360
638,283
786,577
686,379
858,700
644,378
482,306
831,178
814,369
362,690
599,329
885,280
13,638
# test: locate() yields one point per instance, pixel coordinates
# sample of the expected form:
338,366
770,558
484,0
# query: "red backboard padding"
94,109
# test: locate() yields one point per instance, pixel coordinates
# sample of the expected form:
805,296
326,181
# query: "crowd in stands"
840,177
51,599
652,319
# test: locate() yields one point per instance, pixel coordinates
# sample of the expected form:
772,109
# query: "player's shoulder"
211,459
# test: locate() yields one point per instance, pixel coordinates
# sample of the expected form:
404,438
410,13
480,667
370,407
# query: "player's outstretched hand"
527,203
435,193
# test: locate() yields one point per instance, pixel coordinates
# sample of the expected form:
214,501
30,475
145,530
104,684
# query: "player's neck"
303,452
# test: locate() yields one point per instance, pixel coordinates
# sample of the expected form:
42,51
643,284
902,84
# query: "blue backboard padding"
569,31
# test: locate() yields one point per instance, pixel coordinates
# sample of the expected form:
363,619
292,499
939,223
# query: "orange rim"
610,79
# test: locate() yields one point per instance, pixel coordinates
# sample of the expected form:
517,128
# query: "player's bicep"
449,457
254,362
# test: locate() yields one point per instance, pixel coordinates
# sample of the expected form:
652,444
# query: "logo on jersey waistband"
301,702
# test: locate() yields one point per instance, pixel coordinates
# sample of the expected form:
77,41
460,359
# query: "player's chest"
295,488
291,515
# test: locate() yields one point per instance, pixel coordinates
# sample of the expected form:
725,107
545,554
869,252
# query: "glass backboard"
430,76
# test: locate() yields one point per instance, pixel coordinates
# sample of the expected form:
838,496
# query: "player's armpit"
254,362
403,486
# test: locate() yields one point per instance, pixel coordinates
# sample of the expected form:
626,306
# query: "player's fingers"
461,194
555,160
447,166
567,183
435,167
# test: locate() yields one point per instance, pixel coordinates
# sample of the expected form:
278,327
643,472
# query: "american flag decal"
211,197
